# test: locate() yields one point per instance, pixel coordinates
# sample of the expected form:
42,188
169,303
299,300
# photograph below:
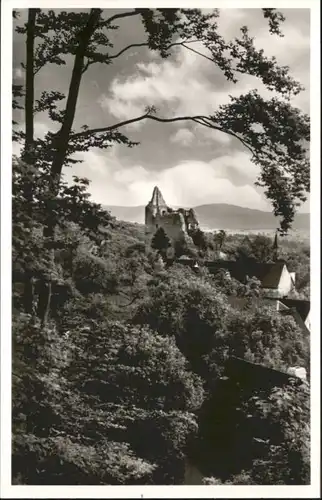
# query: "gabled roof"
268,273
236,270
254,374
298,320
302,307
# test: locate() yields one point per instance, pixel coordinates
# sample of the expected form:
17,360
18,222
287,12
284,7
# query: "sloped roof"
298,320
185,257
235,269
268,273
301,306
253,374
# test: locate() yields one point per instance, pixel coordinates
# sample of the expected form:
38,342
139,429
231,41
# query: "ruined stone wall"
173,224
176,223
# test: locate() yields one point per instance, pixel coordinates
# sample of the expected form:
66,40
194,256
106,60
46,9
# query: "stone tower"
154,208
176,223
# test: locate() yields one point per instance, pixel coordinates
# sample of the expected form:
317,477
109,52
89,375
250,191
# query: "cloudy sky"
191,164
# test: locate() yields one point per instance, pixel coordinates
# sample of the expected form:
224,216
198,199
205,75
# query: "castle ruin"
177,224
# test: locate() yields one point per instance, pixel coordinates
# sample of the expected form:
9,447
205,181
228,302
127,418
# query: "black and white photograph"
163,250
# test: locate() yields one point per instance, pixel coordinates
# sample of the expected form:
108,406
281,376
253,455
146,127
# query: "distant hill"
220,216
128,214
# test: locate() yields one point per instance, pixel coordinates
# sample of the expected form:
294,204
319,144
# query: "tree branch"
133,45
145,44
201,120
86,65
121,15
197,52
207,57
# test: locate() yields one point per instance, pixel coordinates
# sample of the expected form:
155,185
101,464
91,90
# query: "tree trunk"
28,298
44,301
29,293
64,133
29,95
61,145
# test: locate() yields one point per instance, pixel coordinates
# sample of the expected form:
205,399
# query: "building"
176,223
276,280
301,308
252,375
275,304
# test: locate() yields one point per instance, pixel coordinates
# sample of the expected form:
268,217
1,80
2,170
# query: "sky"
192,165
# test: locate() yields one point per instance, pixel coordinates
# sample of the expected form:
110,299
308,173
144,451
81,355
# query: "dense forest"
117,356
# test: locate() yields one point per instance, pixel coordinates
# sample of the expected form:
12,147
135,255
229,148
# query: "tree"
190,309
272,438
34,256
103,397
200,240
194,309
281,420
264,336
160,241
261,248
258,248
219,238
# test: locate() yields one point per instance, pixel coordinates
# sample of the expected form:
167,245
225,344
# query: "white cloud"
172,82
183,136
209,136
40,129
186,83
188,183
18,73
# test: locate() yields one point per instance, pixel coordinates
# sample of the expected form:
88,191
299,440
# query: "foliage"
259,248
293,250
232,287
185,246
130,370
264,336
283,420
207,330
160,241
92,274
92,399
219,239
199,239
33,252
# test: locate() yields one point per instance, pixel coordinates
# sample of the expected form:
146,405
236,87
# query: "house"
185,260
275,278
276,305
251,375
302,309
219,255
